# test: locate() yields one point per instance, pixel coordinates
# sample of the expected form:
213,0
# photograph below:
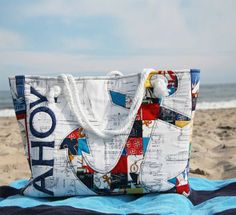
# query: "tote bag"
118,134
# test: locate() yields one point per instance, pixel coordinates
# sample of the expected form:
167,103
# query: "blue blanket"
207,197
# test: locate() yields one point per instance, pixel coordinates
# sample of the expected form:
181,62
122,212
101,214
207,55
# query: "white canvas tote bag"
118,134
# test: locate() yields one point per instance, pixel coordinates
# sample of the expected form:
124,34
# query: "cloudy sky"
51,37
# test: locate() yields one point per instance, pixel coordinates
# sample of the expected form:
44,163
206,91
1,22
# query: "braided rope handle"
76,107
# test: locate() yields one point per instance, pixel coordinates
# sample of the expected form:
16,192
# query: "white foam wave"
200,106
7,112
216,105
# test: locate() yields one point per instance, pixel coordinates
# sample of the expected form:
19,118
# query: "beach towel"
207,197
115,134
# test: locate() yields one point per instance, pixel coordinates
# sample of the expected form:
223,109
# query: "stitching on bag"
177,90
75,175
115,163
145,158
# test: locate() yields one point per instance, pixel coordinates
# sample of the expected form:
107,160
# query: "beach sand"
214,144
213,147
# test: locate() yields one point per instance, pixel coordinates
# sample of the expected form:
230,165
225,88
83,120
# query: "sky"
91,37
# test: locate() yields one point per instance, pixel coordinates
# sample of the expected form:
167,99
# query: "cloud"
54,63
212,25
10,40
46,63
61,8
154,25
145,33
79,43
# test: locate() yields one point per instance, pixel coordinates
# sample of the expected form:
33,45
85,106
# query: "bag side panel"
17,89
49,121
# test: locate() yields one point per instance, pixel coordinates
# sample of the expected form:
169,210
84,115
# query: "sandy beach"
213,147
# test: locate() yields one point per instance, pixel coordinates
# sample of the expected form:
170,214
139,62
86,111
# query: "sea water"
210,97
217,96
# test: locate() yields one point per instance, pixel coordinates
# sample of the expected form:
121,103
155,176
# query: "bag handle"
115,73
75,105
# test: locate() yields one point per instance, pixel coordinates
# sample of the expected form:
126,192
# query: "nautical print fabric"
66,160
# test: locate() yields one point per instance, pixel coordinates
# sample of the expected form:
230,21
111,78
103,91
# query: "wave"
216,105
200,106
7,112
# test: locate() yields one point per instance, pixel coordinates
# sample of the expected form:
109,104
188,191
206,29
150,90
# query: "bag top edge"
102,76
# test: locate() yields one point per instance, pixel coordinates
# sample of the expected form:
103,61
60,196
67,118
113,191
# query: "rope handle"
76,107
115,73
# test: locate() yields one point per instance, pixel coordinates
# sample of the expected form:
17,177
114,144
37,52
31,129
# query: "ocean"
210,97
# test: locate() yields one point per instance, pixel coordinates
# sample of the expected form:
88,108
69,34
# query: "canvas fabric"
68,158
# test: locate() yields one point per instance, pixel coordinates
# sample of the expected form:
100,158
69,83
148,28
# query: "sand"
214,144
213,147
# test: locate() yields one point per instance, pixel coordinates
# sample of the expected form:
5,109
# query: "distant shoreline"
9,112
210,97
